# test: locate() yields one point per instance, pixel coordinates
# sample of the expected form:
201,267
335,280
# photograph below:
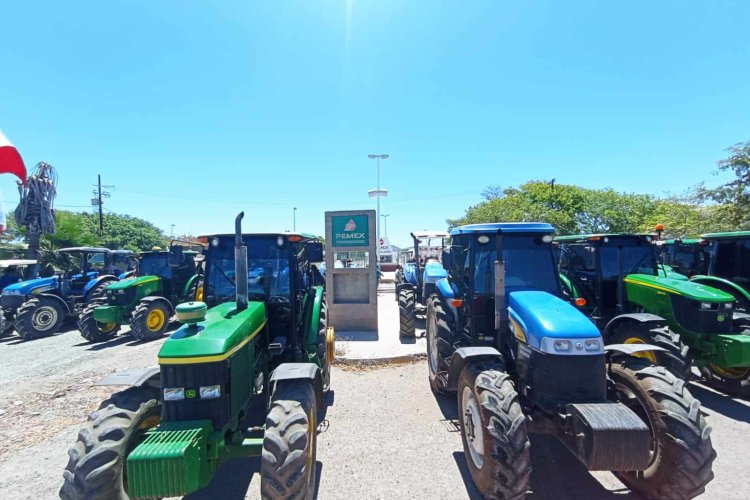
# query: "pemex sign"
350,231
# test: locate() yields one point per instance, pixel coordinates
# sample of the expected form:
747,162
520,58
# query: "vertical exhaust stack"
240,263
501,311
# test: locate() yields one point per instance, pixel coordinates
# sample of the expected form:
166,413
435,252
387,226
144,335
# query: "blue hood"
541,314
26,287
434,271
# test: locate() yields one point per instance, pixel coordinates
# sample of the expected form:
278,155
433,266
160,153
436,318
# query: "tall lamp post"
294,219
378,193
385,224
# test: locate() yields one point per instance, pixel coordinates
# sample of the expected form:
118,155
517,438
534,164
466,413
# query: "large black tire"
288,466
99,292
39,317
321,347
499,459
95,468
440,338
93,330
142,323
732,381
192,294
675,357
407,313
682,451
6,326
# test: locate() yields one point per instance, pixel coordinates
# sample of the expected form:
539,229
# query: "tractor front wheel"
407,313
324,345
150,320
288,463
95,470
39,318
675,356
93,330
681,451
493,430
731,381
6,325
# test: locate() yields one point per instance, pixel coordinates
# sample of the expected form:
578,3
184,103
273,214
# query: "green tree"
733,198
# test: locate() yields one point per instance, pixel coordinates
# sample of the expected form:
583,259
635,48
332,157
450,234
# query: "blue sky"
196,110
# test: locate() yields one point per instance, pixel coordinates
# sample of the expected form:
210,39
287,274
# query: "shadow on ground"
12,338
557,474
371,336
721,403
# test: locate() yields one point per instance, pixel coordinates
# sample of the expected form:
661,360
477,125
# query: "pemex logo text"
350,226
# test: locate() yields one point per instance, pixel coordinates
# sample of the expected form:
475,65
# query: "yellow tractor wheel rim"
649,355
330,345
107,327
311,429
199,294
731,373
155,320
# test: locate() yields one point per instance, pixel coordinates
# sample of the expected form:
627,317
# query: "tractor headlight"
210,392
728,305
592,345
562,345
705,306
174,394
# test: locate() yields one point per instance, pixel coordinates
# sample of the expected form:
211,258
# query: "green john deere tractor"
614,279
147,302
262,337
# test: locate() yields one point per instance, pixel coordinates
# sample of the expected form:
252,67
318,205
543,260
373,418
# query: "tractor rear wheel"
731,381
322,346
407,313
93,330
288,463
682,453
440,336
96,469
150,320
195,292
493,430
99,292
675,357
39,317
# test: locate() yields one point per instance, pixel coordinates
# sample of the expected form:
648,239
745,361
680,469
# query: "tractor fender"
155,298
613,350
189,284
299,371
444,289
126,275
636,317
57,299
137,377
96,282
465,355
722,284
312,326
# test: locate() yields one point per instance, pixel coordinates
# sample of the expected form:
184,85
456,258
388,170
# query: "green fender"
722,284
312,326
188,285
570,286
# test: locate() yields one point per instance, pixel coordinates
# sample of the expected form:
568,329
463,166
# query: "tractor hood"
224,331
541,314
26,287
687,289
434,271
130,283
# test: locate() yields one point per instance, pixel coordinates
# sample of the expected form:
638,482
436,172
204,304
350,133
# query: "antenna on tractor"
240,264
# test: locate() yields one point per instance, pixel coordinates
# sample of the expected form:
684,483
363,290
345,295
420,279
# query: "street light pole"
378,157
294,220
385,224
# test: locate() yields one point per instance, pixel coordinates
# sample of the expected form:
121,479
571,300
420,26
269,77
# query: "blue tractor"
523,360
416,280
38,307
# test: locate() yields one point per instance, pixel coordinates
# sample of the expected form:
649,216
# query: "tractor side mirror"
447,261
176,256
314,250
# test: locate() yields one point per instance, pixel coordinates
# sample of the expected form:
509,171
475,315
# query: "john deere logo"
191,394
350,231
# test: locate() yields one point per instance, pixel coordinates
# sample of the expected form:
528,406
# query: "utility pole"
294,220
97,201
378,193
385,224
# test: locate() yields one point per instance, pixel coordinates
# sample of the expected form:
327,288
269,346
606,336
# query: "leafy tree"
733,198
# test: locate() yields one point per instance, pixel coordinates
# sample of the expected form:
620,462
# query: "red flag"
10,159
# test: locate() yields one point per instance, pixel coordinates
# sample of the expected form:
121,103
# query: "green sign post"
350,231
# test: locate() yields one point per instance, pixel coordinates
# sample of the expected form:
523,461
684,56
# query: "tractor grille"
126,298
191,377
690,316
565,379
11,302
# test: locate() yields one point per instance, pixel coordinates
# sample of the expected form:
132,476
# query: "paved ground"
386,436
385,343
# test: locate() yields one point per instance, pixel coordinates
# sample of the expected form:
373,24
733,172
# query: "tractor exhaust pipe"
416,260
240,264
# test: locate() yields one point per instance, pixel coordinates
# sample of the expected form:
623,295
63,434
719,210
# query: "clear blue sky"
195,110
